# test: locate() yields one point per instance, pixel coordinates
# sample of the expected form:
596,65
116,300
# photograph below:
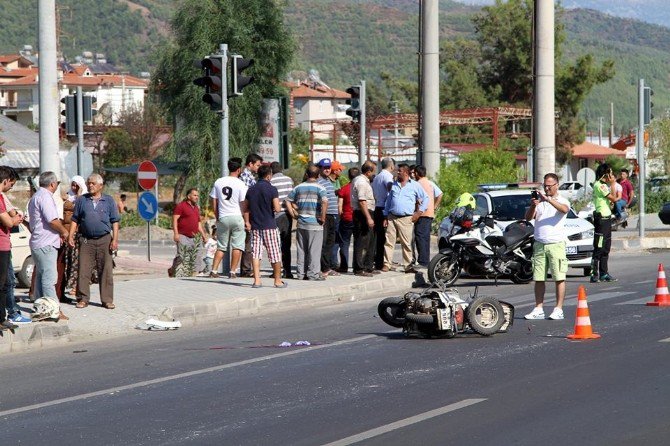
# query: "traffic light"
239,81
355,103
211,80
70,114
648,105
89,111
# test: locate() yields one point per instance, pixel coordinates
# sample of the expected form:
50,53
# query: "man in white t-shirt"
229,202
549,210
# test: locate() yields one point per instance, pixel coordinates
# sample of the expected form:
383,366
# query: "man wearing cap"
338,181
330,224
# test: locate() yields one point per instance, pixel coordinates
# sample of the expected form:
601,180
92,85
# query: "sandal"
283,285
109,306
82,304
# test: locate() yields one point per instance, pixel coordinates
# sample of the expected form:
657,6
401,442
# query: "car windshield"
565,186
510,207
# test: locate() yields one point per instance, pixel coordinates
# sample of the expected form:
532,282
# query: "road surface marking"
406,422
571,301
150,382
640,301
665,340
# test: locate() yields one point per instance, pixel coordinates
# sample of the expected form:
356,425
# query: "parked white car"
510,205
573,190
22,262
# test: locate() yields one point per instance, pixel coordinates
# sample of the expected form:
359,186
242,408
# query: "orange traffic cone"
662,298
583,320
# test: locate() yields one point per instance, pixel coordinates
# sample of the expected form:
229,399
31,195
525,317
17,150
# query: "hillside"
348,40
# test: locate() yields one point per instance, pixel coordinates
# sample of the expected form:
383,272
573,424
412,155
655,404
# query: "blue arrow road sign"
147,206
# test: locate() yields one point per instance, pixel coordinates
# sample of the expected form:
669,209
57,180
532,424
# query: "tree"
659,132
481,166
504,31
253,28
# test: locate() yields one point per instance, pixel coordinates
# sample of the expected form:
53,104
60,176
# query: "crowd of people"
256,206
71,243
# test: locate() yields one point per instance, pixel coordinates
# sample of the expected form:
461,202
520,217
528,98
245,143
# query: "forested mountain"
348,40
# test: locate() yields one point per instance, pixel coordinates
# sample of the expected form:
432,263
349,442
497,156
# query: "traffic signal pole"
80,130
225,148
363,139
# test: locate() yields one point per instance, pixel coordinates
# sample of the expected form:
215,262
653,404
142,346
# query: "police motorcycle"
481,248
441,312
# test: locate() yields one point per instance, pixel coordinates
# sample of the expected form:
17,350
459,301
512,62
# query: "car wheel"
26,274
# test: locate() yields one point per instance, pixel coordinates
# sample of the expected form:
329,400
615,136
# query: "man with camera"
549,210
603,198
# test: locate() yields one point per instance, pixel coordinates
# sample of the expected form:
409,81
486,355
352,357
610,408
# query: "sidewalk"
143,290
657,235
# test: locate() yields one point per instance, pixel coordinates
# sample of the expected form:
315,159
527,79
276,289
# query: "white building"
114,92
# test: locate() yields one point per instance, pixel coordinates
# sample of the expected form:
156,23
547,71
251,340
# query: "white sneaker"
537,313
556,315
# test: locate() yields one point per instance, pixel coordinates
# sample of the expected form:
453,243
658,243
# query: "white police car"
508,204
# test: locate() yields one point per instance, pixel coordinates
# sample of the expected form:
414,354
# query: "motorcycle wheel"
485,315
426,319
392,311
524,275
443,271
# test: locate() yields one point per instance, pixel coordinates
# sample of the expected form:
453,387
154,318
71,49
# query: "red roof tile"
305,91
594,151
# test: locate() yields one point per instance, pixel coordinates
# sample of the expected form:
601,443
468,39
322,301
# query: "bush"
131,219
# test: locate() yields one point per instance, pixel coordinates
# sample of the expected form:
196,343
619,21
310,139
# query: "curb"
641,244
49,334
229,309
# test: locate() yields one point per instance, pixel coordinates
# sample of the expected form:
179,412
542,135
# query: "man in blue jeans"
13,310
47,234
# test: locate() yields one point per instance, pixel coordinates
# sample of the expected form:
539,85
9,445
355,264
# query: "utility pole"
430,88
600,131
611,124
640,154
544,126
395,124
48,87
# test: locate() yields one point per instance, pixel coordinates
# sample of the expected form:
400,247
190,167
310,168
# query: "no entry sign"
147,175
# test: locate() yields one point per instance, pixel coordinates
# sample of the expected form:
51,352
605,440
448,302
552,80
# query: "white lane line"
150,382
665,340
571,301
640,301
643,282
406,422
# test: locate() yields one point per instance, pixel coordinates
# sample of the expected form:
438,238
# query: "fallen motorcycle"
441,312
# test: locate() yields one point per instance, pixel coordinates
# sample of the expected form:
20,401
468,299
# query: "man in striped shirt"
308,203
284,186
332,216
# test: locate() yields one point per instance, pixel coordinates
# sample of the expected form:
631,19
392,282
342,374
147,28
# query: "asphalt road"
361,380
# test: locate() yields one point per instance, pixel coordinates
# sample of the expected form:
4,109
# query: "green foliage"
478,167
133,219
127,36
660,142
653,201
252,28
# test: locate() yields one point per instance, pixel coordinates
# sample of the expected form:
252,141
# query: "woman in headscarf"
77,189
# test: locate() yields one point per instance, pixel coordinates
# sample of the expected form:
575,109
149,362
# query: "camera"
535,195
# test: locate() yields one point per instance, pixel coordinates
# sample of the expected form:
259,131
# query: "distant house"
114,91
312,101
